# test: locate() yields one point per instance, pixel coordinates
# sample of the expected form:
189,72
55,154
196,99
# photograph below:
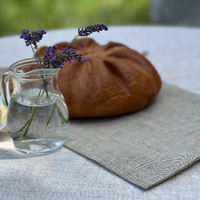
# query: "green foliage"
16,15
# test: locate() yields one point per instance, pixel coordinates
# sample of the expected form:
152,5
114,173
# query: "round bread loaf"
115,80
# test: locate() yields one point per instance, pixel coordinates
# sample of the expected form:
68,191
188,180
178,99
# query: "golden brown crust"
114,80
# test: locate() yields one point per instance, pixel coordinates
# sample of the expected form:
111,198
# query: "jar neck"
26,75
29,70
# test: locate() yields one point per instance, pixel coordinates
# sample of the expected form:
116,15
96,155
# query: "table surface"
174,52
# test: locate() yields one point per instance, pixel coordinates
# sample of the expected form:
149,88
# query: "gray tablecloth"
65,174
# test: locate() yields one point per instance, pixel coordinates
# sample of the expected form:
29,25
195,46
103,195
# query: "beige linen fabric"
148,146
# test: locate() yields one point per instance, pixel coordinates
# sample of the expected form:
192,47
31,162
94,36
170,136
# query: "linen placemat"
144,147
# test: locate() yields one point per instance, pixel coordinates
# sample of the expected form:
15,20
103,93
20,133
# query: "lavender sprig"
33,37
69,55
64,56
48,56
90,29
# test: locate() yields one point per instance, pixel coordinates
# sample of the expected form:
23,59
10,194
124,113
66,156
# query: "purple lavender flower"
33,37
48,55
90,29
84,59
64,56
44,87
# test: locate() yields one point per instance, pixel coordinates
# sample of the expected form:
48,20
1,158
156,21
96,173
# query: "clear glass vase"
37,115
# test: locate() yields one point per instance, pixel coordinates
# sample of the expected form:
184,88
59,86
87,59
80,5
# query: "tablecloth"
174,51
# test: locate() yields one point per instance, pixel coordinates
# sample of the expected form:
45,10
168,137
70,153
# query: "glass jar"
37,115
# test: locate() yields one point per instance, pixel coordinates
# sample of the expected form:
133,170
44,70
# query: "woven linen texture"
144,147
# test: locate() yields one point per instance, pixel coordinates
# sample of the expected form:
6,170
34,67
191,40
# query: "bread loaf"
115,80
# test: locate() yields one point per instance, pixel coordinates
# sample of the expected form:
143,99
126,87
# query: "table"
175,53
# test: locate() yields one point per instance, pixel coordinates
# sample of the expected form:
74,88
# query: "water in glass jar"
40,138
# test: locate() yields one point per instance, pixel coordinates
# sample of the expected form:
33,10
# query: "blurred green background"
16,15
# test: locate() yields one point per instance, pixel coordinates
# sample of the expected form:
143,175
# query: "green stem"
45,85
54,106
61,115
63,119
22,127
37,96
39,64
28,123
39,92
40,67
71,41
47,92
42,93
39,59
